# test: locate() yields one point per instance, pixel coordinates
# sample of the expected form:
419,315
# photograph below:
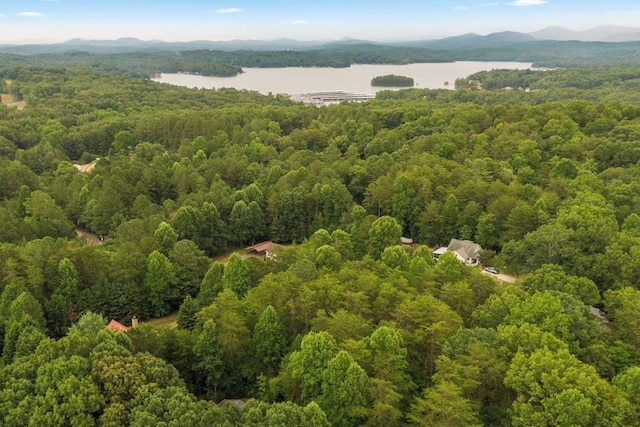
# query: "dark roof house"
466,251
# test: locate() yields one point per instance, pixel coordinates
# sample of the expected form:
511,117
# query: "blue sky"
181,20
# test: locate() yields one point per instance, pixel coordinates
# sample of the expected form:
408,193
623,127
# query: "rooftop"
114,325
261,247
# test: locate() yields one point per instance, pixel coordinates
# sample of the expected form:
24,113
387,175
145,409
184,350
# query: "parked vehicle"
492,270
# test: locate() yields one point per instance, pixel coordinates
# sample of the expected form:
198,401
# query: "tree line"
211,62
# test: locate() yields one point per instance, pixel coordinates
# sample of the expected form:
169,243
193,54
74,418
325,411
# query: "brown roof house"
466,251
266,249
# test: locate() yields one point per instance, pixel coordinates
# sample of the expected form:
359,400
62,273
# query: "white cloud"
299,22
528,2
229,10
30,14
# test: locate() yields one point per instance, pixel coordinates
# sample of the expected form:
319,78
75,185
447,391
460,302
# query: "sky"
52,21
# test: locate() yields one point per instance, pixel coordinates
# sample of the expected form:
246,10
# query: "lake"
357,78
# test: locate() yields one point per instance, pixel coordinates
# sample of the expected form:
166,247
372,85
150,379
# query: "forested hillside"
343,326
226,63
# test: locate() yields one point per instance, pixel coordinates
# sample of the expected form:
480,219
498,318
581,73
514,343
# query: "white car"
492,270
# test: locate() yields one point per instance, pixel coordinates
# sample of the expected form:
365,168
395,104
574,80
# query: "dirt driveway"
501,276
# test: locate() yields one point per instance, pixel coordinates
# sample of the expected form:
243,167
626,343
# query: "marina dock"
332,97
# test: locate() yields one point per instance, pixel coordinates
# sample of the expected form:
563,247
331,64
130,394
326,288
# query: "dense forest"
343,326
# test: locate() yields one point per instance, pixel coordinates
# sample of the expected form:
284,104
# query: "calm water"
357,78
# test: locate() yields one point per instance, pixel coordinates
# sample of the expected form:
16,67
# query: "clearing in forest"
9,100
88,237
87,167
170,320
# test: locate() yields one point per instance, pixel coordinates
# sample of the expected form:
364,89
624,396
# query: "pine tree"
236,276
268,342
159,282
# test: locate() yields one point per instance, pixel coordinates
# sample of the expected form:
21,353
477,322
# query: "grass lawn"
169,321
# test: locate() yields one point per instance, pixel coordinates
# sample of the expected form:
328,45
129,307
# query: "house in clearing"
266,249
466,251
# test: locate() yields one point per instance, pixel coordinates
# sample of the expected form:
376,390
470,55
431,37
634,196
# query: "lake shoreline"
355,78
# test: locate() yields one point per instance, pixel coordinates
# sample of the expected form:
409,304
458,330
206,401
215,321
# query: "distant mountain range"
607,34
134,45
471,41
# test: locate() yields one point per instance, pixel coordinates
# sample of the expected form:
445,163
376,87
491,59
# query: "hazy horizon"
54,21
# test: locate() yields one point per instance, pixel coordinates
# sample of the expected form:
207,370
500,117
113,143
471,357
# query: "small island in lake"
392,80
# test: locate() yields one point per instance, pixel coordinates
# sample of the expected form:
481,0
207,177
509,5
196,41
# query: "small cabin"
266,249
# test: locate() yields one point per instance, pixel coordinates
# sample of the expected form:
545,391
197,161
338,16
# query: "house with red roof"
114,325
